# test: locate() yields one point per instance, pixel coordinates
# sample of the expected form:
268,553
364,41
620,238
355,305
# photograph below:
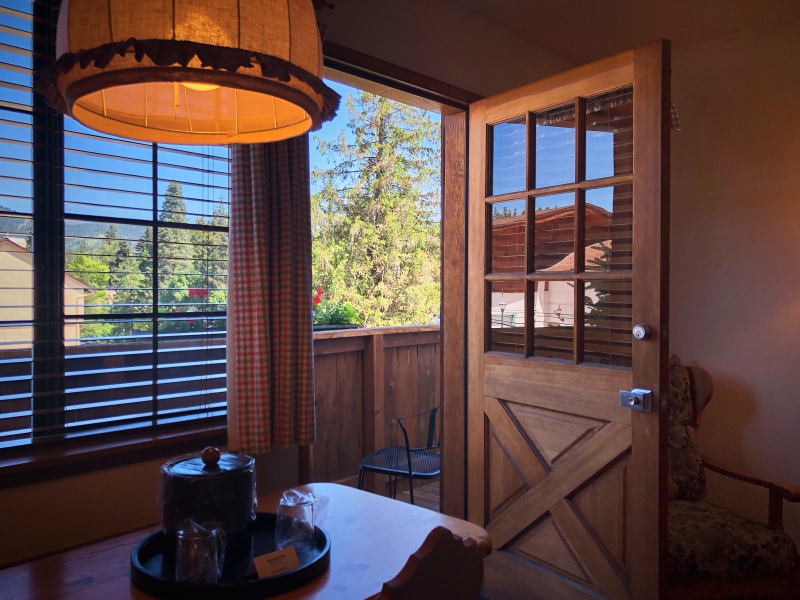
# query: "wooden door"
568,249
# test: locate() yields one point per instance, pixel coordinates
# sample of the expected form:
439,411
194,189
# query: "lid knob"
210,457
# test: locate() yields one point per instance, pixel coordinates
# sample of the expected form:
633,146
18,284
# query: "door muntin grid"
572,247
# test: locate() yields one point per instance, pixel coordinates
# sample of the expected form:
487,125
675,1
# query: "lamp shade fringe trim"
166,53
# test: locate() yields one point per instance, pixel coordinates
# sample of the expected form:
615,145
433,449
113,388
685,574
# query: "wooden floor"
426,495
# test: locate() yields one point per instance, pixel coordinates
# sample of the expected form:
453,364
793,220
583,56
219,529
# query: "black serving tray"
153,570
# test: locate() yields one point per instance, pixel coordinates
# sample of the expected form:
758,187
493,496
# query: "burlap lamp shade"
190,71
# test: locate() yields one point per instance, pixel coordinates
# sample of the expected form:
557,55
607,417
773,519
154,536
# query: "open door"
568,251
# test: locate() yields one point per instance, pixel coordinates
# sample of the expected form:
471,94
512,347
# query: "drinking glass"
294,525
200,554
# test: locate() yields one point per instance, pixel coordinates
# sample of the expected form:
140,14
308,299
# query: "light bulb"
200,87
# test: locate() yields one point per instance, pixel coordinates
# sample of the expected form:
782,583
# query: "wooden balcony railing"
365,379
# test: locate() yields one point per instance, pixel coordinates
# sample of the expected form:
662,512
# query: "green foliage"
375,215
501,214
336,313
174,257
95,273
598,310
89,270
191,274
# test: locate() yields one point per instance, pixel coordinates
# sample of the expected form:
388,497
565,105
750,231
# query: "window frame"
27,464
49,451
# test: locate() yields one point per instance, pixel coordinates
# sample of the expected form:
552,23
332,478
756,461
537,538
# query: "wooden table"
371,539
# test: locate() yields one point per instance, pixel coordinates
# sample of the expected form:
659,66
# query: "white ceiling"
581,31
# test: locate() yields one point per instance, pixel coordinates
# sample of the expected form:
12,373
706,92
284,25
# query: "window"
376,211
113,265
560,252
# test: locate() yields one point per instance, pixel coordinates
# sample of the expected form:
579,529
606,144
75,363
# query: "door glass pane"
555,146
554,233
609,134
508,236
554,319
508,157
608,321
609,228
507,316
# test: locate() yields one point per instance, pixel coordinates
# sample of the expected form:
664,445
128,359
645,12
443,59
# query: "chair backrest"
702,390
686,476
444,568
430,415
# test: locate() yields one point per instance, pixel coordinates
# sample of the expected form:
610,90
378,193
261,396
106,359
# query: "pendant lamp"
190,71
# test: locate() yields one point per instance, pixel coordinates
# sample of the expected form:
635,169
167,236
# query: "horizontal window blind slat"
124,366
15,50
14,86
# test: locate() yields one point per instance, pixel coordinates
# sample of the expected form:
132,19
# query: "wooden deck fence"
365,379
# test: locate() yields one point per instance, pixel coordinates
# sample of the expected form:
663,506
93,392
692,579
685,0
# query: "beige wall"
735,254
735,294
16,299
439,41
65,512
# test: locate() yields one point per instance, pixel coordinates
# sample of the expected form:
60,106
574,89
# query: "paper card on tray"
275,563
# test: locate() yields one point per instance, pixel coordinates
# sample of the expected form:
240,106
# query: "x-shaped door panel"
550,488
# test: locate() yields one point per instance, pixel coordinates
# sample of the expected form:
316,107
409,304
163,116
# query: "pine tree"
175,269
597,293
210,256
375,218
174,251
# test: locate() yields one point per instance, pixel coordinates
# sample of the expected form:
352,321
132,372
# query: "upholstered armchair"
713,551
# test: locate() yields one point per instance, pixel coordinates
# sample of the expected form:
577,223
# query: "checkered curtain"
270,358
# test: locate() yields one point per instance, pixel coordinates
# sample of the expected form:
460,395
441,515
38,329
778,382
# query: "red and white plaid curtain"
270,357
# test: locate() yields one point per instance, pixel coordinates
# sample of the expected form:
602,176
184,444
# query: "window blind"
136,277
16,221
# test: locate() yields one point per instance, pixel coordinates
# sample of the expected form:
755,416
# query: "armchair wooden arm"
778,490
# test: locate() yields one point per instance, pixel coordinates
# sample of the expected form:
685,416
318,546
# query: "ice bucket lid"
208,463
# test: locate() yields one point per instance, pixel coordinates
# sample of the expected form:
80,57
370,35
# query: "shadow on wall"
725,420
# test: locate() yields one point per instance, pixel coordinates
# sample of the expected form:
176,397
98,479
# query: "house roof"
9,245
551,214
592,253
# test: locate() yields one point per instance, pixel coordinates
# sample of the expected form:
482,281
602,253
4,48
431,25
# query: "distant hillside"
13,227
88,230
17,227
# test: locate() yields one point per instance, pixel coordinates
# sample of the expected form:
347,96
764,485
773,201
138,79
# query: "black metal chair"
405,461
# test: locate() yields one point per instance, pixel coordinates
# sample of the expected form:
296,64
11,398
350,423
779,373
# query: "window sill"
32,465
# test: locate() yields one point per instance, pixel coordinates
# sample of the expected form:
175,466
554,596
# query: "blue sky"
558,145
330,130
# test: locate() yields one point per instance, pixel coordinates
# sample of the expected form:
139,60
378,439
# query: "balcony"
365,379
